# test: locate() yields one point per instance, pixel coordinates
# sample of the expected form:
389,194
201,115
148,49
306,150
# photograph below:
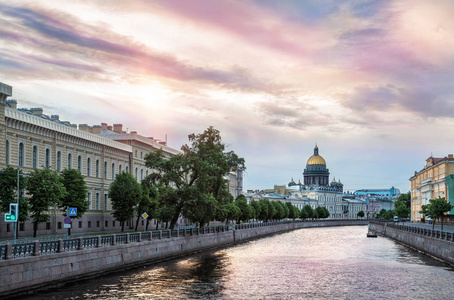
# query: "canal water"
313,263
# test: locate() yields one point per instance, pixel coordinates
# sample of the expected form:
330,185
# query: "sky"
369,82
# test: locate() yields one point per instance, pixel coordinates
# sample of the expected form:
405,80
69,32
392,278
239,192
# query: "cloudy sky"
371,82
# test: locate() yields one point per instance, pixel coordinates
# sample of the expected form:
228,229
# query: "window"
106,224
59,225
136,173
35,157
89,200
89,224
119,169
97,223
58,161
113,224
47,158
127,169
70,161
48,226
97,201
113,171
7,152
105,170
79,164
141,154
80,224
146,173
105,201
136,153
21,227
141,174
97,168
88,166
21,154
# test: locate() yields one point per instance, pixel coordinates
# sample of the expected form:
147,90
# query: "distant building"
433,181
382,193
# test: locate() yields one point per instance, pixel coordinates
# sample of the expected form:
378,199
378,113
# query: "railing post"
81,244
170,233
160,234
114,239
9,251
139,239
98,241
36,250
60,246
178,232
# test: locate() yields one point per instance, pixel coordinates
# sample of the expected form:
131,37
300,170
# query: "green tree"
8,193
257,209
144,205
436,209
245,209
150,205
406,198
46,189
232,212
360,214
125,193
307,212
264,209
199,209
292,213
326,213
321,213
401,210
76,192
201,167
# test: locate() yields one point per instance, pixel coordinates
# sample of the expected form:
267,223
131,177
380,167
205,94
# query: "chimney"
103,126
73,126
109,127
450,156
118,128
134,132
97,129
55,117
12,103
90,129
83,127
37,110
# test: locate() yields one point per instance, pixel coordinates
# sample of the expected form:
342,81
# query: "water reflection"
318,263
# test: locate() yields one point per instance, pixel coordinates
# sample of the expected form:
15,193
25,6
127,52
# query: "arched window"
7,156
105,170
113,171
105,201
119,169
97,201
141,174
79,164
21,154
146,173
88,166
35,157
97,168
136,172
70,161
47,159
127,169
58,161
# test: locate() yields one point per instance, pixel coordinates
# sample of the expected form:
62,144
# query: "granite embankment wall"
436,243
93,256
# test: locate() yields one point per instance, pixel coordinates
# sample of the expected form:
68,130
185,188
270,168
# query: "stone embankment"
25,267
434,242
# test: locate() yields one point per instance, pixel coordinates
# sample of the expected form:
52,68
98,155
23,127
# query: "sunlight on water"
315,263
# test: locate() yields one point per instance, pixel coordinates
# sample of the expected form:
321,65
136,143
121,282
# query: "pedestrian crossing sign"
73,211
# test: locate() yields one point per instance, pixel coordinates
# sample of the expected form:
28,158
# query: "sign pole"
15,223
67,214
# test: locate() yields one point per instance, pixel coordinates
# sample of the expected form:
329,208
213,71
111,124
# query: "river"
312,263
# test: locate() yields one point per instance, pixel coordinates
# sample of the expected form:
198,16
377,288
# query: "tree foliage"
307,212
46,189
401,209
125,193
8,192
197,175
256,209
360,214
76,192
436,209
406,199
246,212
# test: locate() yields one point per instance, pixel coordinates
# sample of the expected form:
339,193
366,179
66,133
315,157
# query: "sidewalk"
446,228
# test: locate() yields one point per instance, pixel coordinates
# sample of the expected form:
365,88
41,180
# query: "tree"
46,189
125,193
401,210
386,214
143,205
201,167
245,209
256,209
8,193
360,214
293,211
326,213
436,209
76,192
150,205
307,212
232,212
406,198
322,212
264,209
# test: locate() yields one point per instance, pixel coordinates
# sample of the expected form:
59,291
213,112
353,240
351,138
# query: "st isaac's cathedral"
317,186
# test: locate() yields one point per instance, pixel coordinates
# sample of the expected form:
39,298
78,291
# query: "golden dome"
316,160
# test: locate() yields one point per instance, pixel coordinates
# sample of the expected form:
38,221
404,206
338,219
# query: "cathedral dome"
316,160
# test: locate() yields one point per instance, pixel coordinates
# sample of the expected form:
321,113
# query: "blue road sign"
73,211
67,220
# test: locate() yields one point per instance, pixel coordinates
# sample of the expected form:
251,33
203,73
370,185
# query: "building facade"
431,182
31,139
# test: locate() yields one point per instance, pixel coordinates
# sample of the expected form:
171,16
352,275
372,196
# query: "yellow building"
430,183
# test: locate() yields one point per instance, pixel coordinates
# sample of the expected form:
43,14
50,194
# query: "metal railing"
51,245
